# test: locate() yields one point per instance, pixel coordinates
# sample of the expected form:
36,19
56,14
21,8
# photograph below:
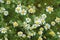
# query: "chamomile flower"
23,12
37,22
31,33
53,23
59,36
34,26
43,16
15,24
2,9
1,1
39,5
57,19
8,2
45,3
40,38
32,10
20,33
49,9
28,20
27,26
47,26
40,32
3,30
23,35
52,33
58,32
43,21
5,13
18,9
41,29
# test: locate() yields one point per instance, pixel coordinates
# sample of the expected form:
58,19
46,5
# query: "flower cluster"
27,21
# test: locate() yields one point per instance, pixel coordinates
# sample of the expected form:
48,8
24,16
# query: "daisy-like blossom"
40,38
52,33
34,26
58,33
47,26
15,24
31,10
43,21
18,9
3,30
23,35
57,19
2,9
8,1
53,23
40,32
37,21
23,12
28,20
49,9
20,33
41,29
5,13
31,34
39,5
1,1
26,25
43,16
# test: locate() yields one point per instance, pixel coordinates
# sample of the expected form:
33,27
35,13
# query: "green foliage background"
13,16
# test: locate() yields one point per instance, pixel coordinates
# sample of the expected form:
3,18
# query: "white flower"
59,36
3,30
47,26
34,26
37,22
20,33
57,19
45,3
2,9
53,23
28,20
40,38
40,32
32,10
31,34
5,13
27,26
43,21
23,12
24,23
23,35
15,24
8,2
43,16
18,9
49,9
1,1
58,32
